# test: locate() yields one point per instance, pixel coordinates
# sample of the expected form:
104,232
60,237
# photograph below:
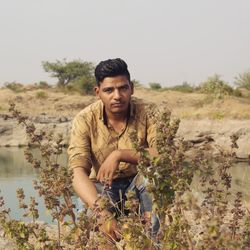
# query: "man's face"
115,93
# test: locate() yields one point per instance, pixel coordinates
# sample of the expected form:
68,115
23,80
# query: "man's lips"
117,104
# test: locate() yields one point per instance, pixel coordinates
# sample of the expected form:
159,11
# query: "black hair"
111,68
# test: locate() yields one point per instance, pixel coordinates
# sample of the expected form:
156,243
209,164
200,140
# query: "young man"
100,141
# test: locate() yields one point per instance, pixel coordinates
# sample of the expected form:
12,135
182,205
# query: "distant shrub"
243,80
237,92
215,219
185,88
154,85
16,87
214,85
136,83
41,95
83,85
43,85
218,115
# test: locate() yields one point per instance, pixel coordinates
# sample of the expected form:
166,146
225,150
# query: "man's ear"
97,90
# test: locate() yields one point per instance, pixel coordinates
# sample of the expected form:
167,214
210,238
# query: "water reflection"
13,163
240,182
16,172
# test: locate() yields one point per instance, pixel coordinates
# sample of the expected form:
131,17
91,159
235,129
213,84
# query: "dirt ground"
202,117
52,102
200,114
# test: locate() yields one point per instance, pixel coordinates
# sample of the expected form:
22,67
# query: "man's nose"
117,94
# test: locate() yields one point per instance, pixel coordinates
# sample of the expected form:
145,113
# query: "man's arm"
84,187
80,162
111,164
86,190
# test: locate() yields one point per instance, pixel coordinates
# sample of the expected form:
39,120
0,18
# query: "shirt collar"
102,115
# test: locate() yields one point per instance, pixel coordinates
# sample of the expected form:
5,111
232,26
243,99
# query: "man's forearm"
132,156
111,163
84,187
86,190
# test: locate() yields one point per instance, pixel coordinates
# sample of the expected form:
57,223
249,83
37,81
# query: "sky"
164,41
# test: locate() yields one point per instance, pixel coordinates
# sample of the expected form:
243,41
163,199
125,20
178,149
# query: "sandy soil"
204,119
183,105
201,115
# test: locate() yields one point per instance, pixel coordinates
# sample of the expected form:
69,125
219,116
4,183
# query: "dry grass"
199,106
183,105
55,103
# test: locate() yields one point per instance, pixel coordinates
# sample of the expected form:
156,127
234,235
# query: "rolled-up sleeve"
79,151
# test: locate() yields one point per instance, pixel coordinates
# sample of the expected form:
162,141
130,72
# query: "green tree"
243,80
67,72
83,85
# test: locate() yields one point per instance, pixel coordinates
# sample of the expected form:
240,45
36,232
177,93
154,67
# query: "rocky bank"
215,132
198,132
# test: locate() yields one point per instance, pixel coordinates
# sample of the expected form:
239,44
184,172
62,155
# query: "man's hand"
108,225
109,167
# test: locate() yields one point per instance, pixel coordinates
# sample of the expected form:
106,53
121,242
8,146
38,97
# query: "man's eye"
124,87
107,90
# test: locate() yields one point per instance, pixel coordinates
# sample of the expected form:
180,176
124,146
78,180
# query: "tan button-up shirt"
92,140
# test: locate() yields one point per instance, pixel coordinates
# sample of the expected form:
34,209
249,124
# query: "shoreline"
199,132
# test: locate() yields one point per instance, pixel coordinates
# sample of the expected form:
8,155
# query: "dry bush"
185,222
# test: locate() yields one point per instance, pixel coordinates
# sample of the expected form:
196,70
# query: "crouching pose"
101,143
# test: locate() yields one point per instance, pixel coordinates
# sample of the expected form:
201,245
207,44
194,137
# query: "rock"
243,131
4,129
13,134
19,98
3,116
204,133
44,119
243,158
63,119
217,133
5,243
199,132
201,139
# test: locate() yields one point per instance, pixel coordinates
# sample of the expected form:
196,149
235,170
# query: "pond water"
15,173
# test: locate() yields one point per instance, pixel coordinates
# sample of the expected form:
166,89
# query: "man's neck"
117,120
117,117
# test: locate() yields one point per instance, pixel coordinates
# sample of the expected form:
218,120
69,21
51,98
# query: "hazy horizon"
162,41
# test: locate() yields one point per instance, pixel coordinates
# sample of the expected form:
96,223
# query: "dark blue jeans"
117,195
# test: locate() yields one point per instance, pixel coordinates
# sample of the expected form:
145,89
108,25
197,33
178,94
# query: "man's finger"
118,234
100,175
110,179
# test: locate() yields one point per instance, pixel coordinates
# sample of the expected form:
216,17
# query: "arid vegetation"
56,101
210,222
213,98
243,80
